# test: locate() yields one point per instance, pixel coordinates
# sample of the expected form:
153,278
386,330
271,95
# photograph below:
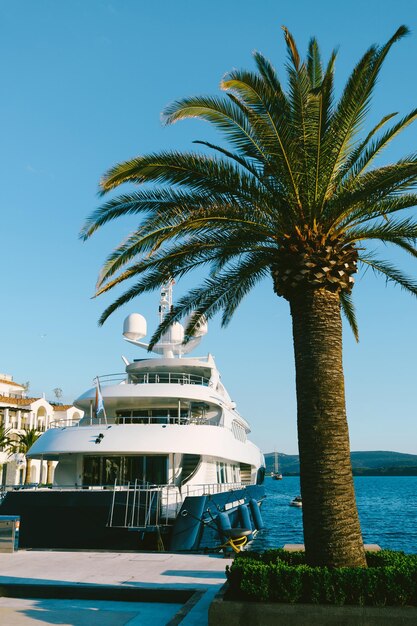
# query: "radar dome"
134,327
175,334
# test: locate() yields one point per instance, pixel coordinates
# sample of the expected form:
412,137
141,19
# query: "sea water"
387,508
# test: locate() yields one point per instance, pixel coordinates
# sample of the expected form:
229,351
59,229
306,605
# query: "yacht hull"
79,519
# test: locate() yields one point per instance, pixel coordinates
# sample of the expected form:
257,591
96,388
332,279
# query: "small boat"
297,502
276,474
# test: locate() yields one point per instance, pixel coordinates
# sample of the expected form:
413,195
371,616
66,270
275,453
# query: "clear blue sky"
83,84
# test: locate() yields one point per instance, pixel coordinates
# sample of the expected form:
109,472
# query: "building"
19,413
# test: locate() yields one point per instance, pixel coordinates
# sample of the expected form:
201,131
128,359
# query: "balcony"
152,377
184,419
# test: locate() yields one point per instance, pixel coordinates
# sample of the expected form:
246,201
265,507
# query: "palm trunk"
28,468
332,534
49,472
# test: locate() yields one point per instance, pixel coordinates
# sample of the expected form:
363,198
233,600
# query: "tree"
294,198
58,393
5,443
5,440
25,441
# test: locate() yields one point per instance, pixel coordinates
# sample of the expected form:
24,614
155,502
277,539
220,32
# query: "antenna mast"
171,343
165,302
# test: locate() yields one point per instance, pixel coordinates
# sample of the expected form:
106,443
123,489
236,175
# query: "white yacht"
161,455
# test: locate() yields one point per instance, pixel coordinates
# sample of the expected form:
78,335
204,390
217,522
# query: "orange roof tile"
17,401
62,407
10,382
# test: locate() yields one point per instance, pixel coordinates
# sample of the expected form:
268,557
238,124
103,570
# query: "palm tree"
25,441
5,440
5,444
293,198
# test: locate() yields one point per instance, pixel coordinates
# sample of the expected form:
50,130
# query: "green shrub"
280,576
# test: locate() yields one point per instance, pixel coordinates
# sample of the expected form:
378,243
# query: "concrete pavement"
149,573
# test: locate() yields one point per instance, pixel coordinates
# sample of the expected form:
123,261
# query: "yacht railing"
107,379
209,489
186,490
64,423
143,507
152,377
162,419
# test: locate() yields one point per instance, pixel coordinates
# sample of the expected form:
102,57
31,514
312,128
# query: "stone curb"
96,592
236,613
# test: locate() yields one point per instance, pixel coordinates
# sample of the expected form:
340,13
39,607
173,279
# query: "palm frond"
276,130
314,65
384,230
270,79
365,158
305,120
357,152
191,170
366,212
194,216
199,229
391,273
292,49
251,166
352,109
371,189
143,202
324,113
222,293
348,310
225,115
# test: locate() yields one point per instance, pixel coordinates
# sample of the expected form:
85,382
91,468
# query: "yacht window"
222,473
152,416
238,431
105,470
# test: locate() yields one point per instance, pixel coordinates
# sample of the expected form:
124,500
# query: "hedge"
279,576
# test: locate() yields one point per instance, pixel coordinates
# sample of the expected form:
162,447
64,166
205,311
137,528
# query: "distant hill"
374,463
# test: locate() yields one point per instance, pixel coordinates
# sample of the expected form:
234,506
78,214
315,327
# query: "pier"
108,588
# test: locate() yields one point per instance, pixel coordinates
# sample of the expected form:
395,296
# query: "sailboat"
276,474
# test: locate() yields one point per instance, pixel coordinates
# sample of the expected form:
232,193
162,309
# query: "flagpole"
100,401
